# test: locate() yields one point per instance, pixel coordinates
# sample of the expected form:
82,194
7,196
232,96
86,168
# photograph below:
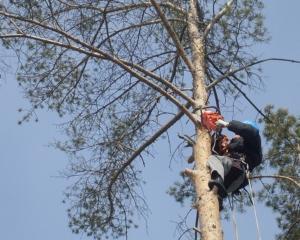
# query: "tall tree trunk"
207,202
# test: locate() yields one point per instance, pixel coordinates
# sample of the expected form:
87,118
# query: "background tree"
283,158
113,68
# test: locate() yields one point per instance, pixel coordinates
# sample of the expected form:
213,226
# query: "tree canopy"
123,73
282,133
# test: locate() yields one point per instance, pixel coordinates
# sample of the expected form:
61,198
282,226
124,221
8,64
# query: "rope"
214,145
253,204
233,218
215,137
196,225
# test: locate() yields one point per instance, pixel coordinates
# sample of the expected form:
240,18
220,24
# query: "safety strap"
233,217
253,203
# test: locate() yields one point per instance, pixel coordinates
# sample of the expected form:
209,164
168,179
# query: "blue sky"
31,192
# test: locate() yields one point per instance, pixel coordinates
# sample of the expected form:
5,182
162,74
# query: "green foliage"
283,157
182,191
60,46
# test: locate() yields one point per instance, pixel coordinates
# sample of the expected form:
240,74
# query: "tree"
120,71
283,157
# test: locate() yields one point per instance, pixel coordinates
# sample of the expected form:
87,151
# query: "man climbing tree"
243,153
126,71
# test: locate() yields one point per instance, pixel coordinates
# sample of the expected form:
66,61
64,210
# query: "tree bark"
207,202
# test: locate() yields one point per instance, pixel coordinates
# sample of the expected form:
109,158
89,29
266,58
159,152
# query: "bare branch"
295,224
248,99
140,150
173,35
118,62
142,24
91,47
274,59
217,18
156,87
219,70
190,173
240,90
188,139
164,81
232,72
124,8
151,140
88,46
289,178
53,42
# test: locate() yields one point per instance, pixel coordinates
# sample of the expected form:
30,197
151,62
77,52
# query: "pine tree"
282,133
126,71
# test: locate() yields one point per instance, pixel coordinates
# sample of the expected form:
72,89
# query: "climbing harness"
219,138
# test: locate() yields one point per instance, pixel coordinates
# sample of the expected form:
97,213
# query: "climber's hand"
221,124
